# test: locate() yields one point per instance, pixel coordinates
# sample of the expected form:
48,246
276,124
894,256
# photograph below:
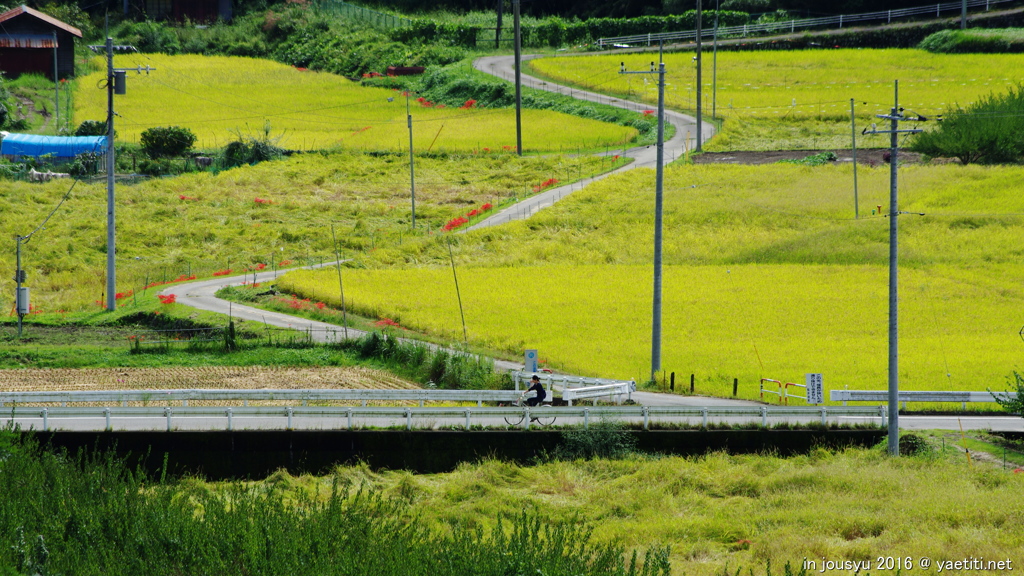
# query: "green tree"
990,131
164,142
1010,403
91,128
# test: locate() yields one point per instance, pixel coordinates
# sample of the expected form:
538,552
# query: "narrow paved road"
681,142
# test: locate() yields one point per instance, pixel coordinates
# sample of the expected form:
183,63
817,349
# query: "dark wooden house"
31,42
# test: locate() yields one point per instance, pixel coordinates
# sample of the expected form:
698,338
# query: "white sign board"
815,389
530,361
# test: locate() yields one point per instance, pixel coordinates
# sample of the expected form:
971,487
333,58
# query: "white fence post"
704,417
586,418
106,415
467,418
647,418
230,423
46,424
349,412
288,411
764,416
167,413
408,419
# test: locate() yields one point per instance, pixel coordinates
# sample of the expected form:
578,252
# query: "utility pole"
56,85
658,203
895,117
20,296
853,136
497,29
519,78
700,87
963,15
714,67
412,170
115,85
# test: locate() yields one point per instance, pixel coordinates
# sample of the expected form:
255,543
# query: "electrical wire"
26,238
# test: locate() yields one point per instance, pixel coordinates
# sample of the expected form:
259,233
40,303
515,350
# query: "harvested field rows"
219,377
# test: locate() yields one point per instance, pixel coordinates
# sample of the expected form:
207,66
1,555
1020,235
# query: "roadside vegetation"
698,516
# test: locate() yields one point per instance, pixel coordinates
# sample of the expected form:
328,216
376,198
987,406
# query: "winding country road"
682,141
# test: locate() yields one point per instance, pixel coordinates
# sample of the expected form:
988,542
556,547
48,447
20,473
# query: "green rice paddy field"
779,100
768,274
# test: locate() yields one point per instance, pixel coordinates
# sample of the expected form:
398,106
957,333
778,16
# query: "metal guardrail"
646,414
791,26
618,390
918,396
304,396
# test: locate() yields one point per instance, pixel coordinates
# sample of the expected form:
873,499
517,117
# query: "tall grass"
90,514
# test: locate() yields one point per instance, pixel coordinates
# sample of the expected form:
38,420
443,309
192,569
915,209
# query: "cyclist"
536,386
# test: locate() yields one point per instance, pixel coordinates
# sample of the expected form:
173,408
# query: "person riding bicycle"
536,386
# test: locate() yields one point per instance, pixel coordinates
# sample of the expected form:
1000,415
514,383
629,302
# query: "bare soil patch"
212,377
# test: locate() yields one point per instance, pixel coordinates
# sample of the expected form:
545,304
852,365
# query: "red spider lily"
472,213
167,298
223,272
284,263
187,198
468,104
545,185
123,295
321,305
454,223
487,150
387,323
301,69
486,207
648,112
262,201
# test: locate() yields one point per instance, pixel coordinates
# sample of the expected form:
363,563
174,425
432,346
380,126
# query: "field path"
643,156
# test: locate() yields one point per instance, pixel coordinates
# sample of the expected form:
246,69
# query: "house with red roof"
34,42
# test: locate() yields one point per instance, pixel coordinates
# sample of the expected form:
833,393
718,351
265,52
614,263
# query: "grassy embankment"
717,514
799,100
768,275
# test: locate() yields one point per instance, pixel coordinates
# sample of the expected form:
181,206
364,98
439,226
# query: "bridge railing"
302,396
337,417
578,387
791,26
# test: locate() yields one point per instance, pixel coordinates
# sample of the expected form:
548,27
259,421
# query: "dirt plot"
220,377
869,157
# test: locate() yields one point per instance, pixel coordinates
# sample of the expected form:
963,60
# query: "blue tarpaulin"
58,146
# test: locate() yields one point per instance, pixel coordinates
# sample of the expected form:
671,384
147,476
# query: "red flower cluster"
223,272
648,112
262,201
301,69
285,263
468,104
167,299
372,75
258,267
123,295
506,148
187,198
424,102
182,278
361,130
460,220
545,185
454,223
387,323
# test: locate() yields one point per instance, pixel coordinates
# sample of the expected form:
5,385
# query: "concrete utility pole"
700,86
412,170
658,203
519,78
115,85
895,117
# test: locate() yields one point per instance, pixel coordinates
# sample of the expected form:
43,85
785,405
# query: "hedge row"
559,32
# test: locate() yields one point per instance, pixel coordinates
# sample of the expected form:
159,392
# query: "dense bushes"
997,41
989,131
91,514
167,141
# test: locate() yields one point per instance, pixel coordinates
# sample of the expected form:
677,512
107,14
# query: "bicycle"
540,418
